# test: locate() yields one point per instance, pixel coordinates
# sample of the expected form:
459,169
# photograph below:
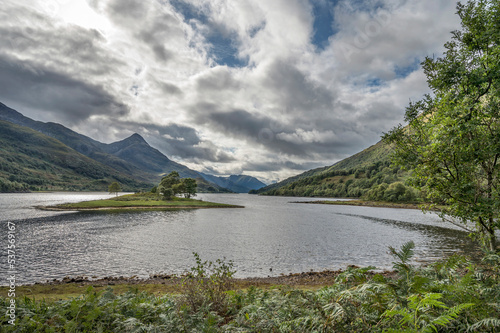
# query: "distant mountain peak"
135,137
131,140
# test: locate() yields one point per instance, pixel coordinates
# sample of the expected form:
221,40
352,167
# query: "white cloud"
124,66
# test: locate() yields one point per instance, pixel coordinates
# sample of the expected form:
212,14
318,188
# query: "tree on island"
190,186
114,187
172,185
452,141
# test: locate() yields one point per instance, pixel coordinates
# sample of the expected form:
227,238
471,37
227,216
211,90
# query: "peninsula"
138,201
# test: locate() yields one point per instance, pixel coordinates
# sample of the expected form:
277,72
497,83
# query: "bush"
206,285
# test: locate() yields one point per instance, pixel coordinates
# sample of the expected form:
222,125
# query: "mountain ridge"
236,183
131,155
31,160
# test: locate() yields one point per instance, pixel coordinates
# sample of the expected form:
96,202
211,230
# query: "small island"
138,201
172,192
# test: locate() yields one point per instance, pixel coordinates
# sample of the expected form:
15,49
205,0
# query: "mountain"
204,186
132,155
236,183
30,160
131,159
368,174
136,151
247,182
81,143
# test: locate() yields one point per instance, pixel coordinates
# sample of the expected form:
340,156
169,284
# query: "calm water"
269,233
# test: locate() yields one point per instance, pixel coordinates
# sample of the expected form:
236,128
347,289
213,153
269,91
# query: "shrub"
206,285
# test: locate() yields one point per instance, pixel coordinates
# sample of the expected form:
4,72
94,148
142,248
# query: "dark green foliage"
451,142
189,187
376,180
165,188
325,181
454,295
172,185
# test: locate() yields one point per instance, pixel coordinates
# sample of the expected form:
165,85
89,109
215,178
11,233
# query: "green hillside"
368,174
132,156
204,186
30,160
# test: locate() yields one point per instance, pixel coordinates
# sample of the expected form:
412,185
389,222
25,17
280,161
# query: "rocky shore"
160,284
322,278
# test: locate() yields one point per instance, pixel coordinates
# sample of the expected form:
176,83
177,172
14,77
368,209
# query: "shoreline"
138,208
136,202
67,287
362,203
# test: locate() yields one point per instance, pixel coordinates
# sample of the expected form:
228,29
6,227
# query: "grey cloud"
50,45
259,129
56,93
170,88
298,93
150,25
127,10
255,128
161,53
217,80
180,141
178,132
278,166
292,105
212,171
156,35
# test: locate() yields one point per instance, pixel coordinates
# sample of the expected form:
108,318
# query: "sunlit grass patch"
139,201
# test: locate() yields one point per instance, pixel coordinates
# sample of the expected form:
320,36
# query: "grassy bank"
163,284
455,295
138,201
366,203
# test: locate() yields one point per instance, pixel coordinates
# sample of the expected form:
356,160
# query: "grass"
138,201
381,204
63,291
366,203
58,292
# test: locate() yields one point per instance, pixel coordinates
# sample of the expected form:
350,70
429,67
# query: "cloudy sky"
267,88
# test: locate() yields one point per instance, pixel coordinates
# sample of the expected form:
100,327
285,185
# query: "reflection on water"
269,233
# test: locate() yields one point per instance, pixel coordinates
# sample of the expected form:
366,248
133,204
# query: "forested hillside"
368,174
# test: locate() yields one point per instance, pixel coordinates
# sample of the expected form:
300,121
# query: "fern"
404,256
421,314
447,317
485,323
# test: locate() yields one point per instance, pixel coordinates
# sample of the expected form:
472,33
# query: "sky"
267,88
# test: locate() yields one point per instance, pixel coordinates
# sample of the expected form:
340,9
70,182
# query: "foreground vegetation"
455,295
138,201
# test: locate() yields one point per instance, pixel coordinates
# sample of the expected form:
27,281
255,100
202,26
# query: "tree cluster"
172,185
